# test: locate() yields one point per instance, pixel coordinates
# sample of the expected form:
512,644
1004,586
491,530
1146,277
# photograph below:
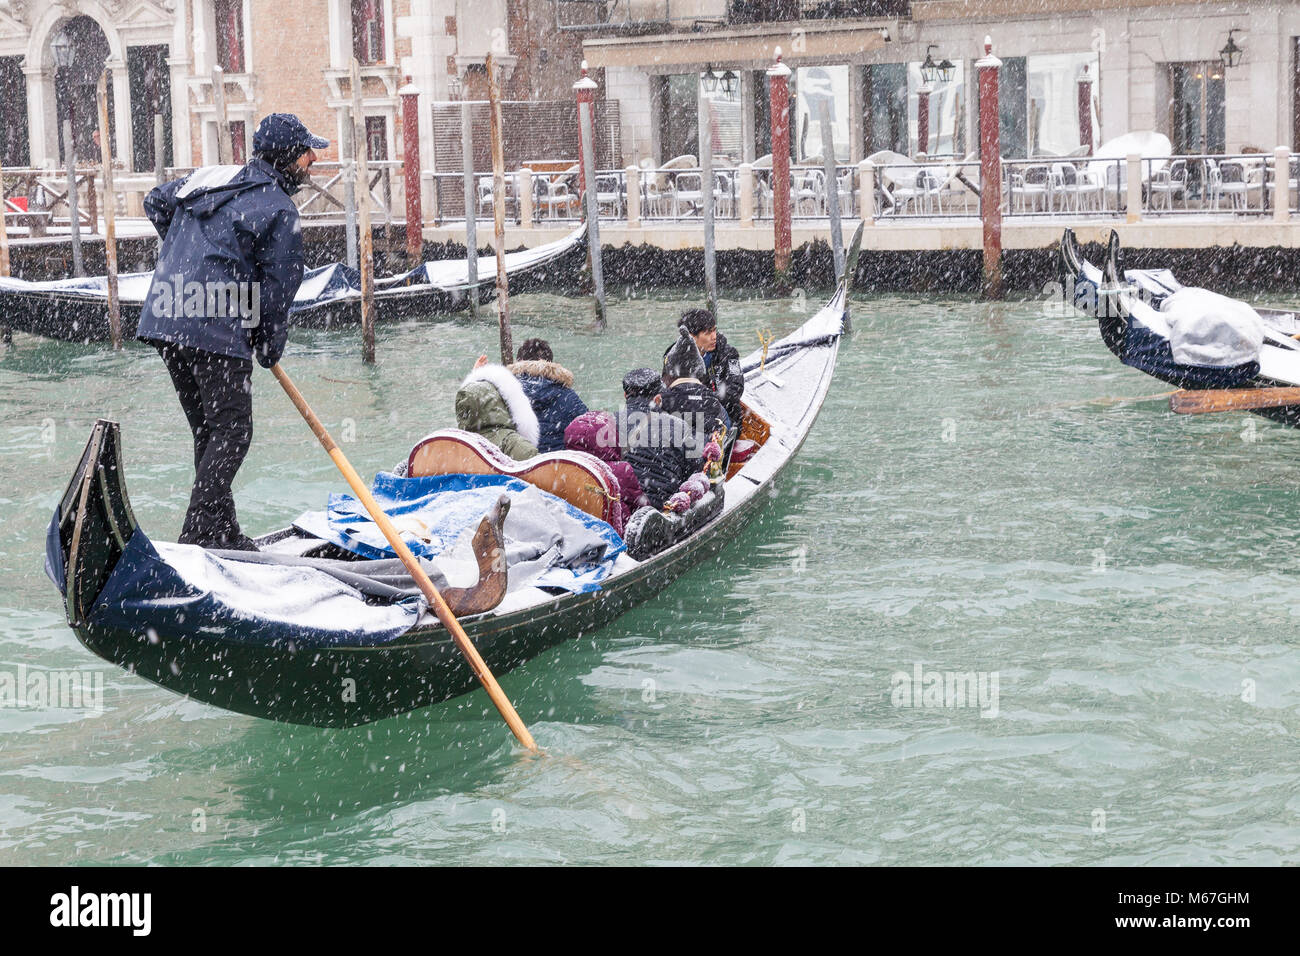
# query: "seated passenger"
686,395
492,403
549,388
661,449
596,433
721,361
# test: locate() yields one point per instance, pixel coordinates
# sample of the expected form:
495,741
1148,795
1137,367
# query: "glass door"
1198,118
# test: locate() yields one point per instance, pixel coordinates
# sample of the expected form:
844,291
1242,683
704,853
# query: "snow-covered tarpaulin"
327,285
181,590
548,542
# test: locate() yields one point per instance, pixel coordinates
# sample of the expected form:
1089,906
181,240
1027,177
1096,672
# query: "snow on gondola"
76,310
1188,337
303,644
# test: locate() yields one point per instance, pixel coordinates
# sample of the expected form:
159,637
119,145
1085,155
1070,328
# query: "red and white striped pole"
586,91
990,170
779,93
411,168
1085,109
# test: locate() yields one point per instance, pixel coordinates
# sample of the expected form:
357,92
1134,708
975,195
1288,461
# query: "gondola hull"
77,310
1099,293
339,686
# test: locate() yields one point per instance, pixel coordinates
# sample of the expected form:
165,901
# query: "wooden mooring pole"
704,116
74,220
225,148
586,91
779,92
367,250
499,211
4,235
471,207
110,213
832,190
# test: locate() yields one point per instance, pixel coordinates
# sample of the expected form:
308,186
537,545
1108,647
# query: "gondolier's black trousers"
216,393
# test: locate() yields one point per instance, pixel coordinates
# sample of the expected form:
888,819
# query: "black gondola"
76,310
252,666
1126,304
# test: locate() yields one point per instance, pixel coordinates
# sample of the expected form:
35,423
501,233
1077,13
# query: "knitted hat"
683,360
642,381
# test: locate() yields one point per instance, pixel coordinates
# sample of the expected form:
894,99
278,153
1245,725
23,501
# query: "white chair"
808,192
1212,184
688,189
1029,186
1237,181
1167,183
609,194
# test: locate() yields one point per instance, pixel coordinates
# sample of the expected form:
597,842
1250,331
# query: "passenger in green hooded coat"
492,403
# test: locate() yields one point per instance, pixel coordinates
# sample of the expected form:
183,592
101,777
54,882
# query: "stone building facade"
1151,64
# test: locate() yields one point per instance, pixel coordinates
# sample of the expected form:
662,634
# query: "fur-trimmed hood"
539,368
522,416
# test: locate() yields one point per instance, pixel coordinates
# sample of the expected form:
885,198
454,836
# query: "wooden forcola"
436,601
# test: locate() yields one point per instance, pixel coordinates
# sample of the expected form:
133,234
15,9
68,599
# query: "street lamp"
933,72
709,79
729,82
61,47
1231,53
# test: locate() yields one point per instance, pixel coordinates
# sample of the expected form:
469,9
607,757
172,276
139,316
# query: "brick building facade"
277,55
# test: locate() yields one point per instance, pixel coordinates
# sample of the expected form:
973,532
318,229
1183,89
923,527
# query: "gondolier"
229,268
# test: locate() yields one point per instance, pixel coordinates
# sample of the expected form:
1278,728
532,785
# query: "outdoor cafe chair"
1167,183
1029,186
809,192
609,193
688,189
1237,181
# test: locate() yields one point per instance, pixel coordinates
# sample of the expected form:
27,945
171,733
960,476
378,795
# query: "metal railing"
1037,188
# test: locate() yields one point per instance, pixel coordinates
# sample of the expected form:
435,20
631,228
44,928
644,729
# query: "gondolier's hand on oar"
1207,400
430,592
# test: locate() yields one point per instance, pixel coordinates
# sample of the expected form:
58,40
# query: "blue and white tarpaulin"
548,542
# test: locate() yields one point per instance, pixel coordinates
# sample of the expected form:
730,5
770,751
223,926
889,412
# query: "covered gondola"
136,604
1188,337
76,310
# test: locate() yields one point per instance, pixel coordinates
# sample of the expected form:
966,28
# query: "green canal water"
987,490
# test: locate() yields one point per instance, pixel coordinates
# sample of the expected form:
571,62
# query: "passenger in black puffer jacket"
686,395
549,388
722,372
662,451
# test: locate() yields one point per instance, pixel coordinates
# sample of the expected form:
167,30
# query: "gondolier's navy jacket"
222,225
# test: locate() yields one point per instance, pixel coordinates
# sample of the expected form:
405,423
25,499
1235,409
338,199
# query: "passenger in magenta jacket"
596,433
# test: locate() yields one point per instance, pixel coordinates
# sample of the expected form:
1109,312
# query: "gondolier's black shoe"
240,543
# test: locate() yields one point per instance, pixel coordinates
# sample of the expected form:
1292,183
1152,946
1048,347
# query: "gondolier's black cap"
283,131
642,381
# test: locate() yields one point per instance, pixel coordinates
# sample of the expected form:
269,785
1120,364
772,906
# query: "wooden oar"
435,599
1203,401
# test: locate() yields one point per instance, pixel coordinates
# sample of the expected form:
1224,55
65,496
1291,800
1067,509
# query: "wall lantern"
1231,53
932,72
